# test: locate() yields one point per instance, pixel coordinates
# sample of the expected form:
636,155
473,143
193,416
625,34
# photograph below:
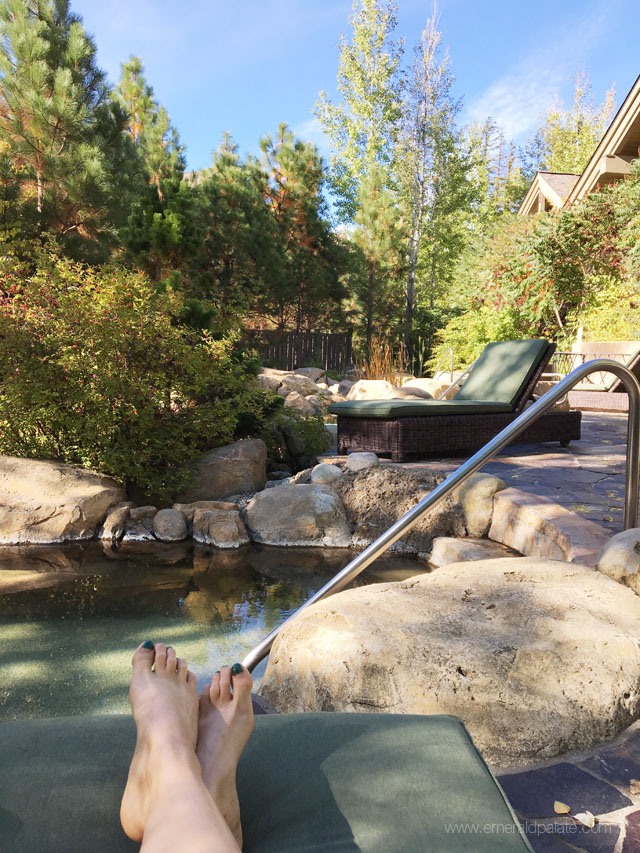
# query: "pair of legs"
181,791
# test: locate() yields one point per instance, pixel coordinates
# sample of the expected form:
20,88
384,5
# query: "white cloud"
517,99
311,131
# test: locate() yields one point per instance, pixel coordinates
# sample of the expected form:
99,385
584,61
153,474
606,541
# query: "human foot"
224,725
164,700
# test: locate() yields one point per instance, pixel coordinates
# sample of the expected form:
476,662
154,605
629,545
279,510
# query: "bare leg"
166,804
224,726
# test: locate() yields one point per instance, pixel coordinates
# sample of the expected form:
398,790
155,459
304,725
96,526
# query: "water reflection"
70,617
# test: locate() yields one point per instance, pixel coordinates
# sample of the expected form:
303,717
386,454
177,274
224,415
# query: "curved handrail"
490,449
444,355
458,380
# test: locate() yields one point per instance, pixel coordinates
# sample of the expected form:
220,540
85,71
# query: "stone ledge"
538,527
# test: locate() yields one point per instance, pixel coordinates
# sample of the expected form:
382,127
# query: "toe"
183,669
143,656
214,688
242,682
161,657
172,659
225,684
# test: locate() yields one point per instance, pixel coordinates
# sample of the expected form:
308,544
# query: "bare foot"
224,725
164,701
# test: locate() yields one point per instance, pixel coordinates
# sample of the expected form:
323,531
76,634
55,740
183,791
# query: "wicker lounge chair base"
429,436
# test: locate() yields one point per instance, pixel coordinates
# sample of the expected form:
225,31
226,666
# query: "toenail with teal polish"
236,669
148,644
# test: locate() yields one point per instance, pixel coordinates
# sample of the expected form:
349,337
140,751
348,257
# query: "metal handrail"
490,449
444,355
458,380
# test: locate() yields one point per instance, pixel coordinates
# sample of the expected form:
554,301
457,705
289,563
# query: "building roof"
609,162
548,191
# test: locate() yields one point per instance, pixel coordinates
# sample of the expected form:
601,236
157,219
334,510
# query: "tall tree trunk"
432,296
370,303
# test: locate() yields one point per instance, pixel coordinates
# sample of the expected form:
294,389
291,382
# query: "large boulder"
312,373
448,549
231,470
268,382
538,657
48,502
169,525
620,558
370,389
220,528
376,498
294,400
298,515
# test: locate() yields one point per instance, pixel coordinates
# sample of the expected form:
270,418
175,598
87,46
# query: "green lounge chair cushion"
307,782
503,371
414,408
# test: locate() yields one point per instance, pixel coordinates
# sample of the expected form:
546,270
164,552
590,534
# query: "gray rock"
316,401
325,474
116,521
298,515
345,386
302,384
221,528
137,532
361,461
271,483
294,400
620,558
475,496
188,510
312,373
231,470
448,549
268,382
170,525
49,502
137,513
538,657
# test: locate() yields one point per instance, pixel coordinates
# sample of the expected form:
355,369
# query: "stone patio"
587,477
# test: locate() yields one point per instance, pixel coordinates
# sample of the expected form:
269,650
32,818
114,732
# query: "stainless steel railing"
448,351
490,449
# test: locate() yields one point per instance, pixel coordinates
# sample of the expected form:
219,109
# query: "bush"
469,333
96,369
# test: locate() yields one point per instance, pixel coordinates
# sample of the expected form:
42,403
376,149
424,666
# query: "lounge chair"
609,395
494,394
318,782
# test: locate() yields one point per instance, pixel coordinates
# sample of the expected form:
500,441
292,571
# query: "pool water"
70,617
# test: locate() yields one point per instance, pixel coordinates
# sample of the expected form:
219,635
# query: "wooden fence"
289,350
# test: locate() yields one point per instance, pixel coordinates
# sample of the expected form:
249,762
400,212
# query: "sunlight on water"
66,639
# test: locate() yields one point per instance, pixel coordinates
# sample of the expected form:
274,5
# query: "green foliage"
95,370
61,135
469,333
566,139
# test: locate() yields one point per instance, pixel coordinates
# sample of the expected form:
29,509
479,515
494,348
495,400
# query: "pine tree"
160,234
63,134
313,257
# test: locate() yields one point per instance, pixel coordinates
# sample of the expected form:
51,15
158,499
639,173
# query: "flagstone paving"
588,477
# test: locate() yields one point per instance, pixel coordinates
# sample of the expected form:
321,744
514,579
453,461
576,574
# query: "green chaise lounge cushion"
307,782
498,380
414,408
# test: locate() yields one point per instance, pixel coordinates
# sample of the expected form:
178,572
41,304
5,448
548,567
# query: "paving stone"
543,842
533,792
632,835
601,839
618,764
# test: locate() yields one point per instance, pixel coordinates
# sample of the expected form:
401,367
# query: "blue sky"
247,66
